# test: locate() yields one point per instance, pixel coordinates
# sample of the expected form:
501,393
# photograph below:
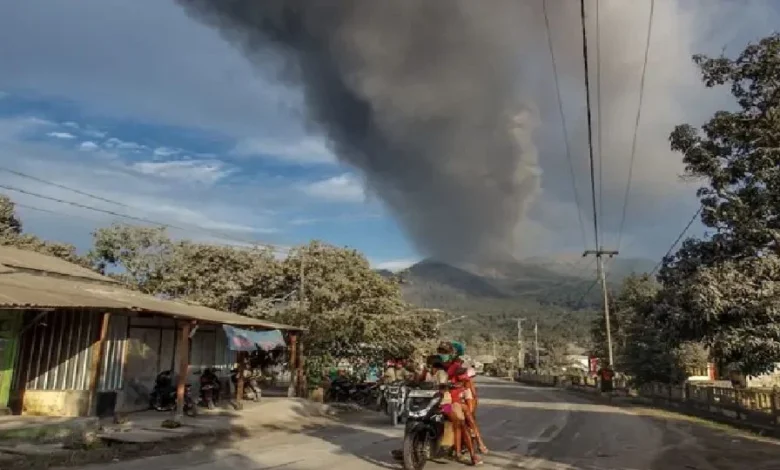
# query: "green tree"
721,289
138,256
10,225
11,234
350,310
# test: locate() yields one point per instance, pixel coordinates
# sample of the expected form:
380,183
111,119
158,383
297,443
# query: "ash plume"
422,97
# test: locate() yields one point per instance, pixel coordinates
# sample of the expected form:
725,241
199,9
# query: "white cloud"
61,135
199,171
19,127
88,145
94,133
342,188
306,150
71,124
118,144
395,265
165,151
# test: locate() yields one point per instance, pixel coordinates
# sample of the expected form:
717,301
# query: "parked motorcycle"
394,398
252,390
209,388
424,428
163,395
343,390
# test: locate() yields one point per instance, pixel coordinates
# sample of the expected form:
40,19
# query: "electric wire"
636,123
563,125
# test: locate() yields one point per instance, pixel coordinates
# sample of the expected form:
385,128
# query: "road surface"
524,427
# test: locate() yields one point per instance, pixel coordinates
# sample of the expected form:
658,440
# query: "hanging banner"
248,340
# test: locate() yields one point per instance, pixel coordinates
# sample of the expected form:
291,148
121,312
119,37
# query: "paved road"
525,428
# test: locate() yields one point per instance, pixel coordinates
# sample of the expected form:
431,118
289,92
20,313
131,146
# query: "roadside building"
76,343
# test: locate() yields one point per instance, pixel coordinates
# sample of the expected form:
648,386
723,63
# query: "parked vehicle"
252,390
163,395
424,428
344,390
209,388
394,398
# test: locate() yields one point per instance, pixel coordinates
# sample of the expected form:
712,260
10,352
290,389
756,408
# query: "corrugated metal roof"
24,289
30,260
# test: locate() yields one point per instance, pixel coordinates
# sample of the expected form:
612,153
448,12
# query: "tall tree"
11,234
139,256
721,289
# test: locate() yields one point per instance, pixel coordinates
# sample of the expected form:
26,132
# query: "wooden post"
98,351
300,379
240,379
184,366
293,364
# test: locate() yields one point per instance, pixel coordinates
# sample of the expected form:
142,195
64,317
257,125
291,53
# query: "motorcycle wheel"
394,417
416,450
190,409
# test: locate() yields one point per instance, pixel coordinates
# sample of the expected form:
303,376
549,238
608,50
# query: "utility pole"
536,341
493,340
520,349
600,253
301,291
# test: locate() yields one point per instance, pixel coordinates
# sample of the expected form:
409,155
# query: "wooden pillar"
300,379
184,366
241,356
293,364
98,352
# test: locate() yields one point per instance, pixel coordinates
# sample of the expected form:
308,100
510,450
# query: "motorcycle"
394,398
209,388
343,390
424,428
252,390
163,395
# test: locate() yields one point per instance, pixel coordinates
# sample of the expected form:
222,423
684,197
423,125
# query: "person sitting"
466,380
452,406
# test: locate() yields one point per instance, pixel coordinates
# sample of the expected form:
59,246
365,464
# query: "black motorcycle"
209,388
424,428
163,396
344,390
394,400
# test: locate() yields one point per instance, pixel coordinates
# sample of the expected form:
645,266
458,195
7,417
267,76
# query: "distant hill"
559,292
546,281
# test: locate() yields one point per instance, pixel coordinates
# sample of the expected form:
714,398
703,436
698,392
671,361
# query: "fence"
753,406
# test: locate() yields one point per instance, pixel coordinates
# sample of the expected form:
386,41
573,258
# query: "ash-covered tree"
723,289
350,310
12,234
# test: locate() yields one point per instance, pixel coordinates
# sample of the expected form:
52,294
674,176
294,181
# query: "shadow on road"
525,428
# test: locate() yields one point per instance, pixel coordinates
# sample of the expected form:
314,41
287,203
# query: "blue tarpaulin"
247,340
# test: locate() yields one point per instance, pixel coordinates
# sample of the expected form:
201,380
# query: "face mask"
445,357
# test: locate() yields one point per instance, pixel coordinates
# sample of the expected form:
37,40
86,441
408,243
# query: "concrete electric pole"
520,349
536,344
602,277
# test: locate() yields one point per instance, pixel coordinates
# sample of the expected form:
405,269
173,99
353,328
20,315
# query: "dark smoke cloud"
421,97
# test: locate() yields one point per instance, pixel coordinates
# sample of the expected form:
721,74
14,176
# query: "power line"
139,219
590,125
61,186
563,126
677,240
598,110
636,123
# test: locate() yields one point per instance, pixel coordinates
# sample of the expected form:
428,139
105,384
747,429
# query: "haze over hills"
546,280
560,292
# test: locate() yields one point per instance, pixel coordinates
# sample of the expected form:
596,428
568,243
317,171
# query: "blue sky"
134,102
